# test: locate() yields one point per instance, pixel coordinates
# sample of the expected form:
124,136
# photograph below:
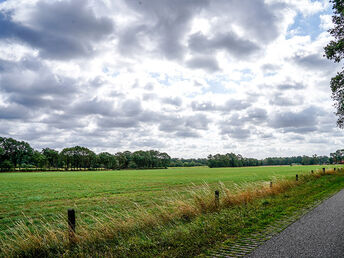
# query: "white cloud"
220,75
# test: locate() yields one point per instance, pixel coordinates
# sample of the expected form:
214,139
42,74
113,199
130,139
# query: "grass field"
109,223
31,196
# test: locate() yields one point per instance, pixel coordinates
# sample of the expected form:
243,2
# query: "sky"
187,77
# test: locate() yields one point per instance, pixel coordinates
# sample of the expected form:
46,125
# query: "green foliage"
231,160
107,160
6,165
39,160
335,51
338,156
52,157
175,162
21,155
78,157
16,152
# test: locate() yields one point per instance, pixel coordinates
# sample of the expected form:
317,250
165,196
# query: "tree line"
236,160
20,155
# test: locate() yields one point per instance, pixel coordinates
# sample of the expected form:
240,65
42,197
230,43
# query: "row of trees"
233,160
175,162
19,154
302,160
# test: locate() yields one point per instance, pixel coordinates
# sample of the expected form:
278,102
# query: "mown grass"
186,228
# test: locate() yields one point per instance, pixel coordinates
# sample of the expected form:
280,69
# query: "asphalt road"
319,233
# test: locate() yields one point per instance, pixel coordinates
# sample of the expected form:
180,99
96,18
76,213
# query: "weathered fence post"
312,171
217,199
324,170
71,225
334,169
271,184
297,177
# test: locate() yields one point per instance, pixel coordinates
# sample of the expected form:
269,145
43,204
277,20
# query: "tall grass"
30,239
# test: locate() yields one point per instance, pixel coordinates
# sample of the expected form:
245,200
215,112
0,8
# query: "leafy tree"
17,152
335,51
337,156
132,164
122,160
6,165
52,157
39,159
78,157
107,160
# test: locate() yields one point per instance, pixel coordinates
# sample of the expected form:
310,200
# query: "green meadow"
46,195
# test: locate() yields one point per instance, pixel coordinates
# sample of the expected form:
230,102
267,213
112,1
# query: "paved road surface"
320,233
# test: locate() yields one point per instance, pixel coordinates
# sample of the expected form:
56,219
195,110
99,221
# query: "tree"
337,156
52,157
107,160
335,51
39,159
18,153
78,157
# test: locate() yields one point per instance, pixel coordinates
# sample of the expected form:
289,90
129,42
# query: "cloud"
160,26
177,101
131,107
169,74
257,115
207,63
230,42
31,84
279,99
259,19
229,105
93,107
14,112
236,132
57,30
315,62
302,121
148,143
294,86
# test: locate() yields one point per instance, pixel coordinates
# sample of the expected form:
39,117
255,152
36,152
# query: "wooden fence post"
297,177
217,199
271,184
312,171
324,170
71,225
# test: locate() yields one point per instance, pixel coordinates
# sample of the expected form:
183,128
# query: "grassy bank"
182,228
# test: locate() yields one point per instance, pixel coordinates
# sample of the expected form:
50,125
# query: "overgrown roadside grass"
191,228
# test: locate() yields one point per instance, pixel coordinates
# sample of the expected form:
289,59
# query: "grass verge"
181,229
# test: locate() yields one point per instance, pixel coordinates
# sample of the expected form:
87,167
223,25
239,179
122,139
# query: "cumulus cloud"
57,30
161,24
167,74
315,62
302,121
279,99
207,63
230,42
229,105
